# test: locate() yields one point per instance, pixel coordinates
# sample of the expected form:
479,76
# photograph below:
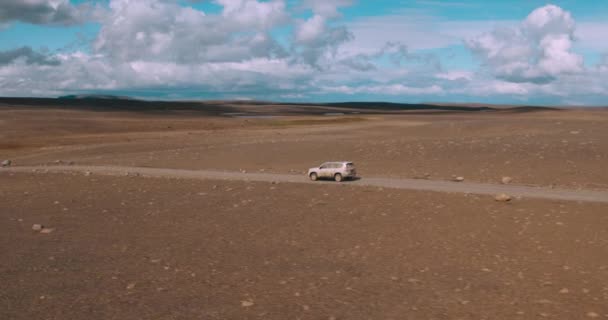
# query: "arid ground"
135,247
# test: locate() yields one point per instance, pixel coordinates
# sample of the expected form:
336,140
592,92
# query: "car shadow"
343,181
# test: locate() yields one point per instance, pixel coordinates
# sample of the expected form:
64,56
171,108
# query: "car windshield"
350,165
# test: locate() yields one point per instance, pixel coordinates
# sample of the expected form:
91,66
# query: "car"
338,171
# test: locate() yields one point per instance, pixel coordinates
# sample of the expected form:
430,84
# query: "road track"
407,184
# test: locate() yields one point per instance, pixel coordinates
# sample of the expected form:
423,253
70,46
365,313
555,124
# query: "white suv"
333,170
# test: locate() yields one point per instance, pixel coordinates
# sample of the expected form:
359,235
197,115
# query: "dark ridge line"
217,108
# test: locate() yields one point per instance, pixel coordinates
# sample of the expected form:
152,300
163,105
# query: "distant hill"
95,96
224,108
390,106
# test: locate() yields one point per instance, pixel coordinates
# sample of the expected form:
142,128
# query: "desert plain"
126,245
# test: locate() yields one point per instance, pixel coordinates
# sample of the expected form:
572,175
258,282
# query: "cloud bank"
45,12
539,51
269,50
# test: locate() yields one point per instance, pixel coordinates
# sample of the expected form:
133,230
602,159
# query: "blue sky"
523,52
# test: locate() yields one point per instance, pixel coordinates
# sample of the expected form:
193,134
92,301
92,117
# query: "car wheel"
338,177
313,176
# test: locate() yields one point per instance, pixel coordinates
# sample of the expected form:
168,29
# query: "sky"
503,52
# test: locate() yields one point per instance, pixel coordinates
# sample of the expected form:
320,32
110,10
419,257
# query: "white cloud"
392,89
418,30
592,35
45,12
310,30
161,45
539,51
315,38
254,14
456,75
161,30
326,8
26,55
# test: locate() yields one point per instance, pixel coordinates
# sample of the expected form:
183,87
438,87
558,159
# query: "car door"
324,170
331,170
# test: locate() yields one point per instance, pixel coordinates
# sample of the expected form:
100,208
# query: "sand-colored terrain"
135,247
553,148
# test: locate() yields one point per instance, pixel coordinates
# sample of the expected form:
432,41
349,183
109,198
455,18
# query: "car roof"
340,162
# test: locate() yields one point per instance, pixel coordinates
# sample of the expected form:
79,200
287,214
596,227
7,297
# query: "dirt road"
409,184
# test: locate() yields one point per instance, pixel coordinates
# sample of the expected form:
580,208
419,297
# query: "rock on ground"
6,163
247,303
47,230
503,198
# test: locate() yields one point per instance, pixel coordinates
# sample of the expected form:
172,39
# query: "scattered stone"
131,286
502,198
592,315
247,303
47,230
564,291
87,173
506,180
6,163
425,176
458,179
37,227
